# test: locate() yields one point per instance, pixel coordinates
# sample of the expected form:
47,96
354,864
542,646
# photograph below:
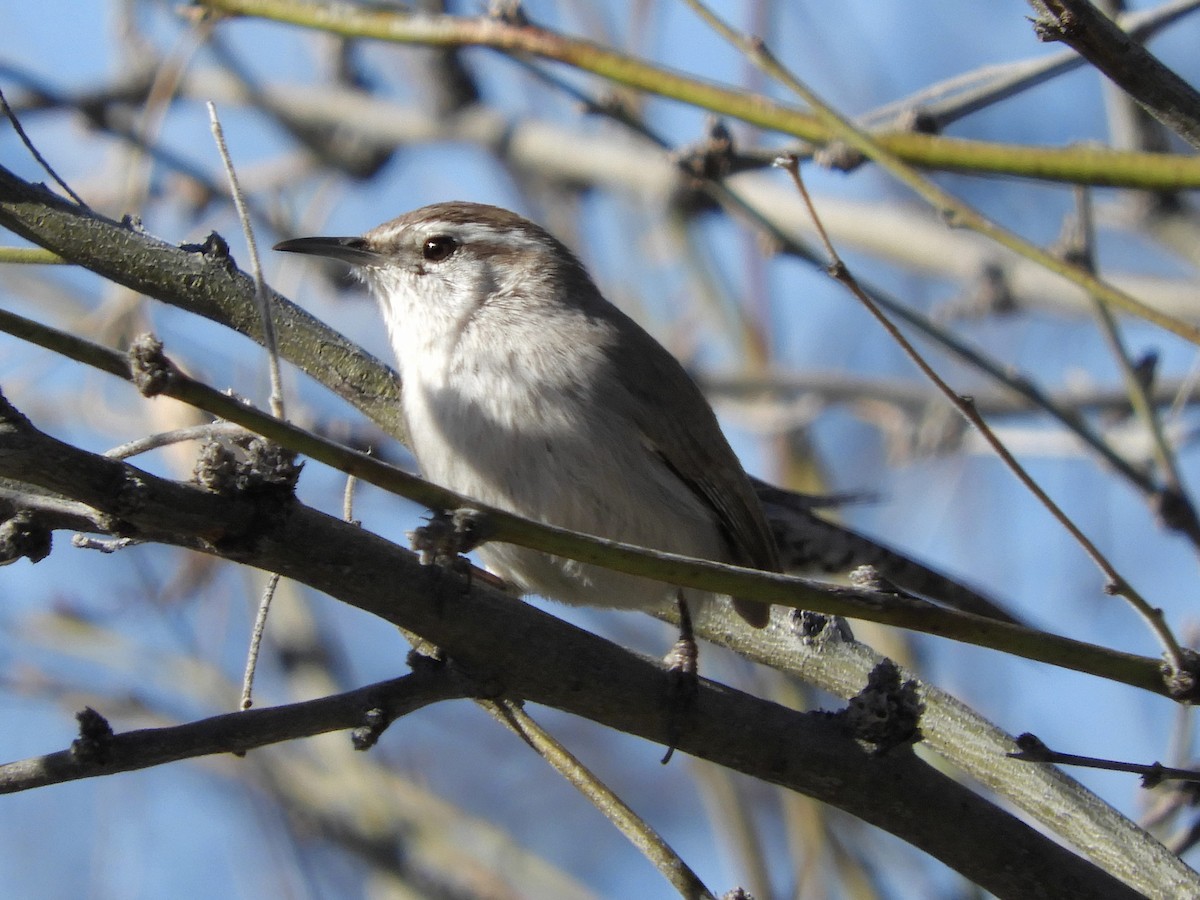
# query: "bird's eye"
438,247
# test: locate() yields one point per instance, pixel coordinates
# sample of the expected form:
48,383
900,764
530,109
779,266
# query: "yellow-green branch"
787,590
1075,165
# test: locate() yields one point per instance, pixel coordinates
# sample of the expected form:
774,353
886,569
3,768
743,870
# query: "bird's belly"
571,471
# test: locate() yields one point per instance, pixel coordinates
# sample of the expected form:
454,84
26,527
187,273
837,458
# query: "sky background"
193,829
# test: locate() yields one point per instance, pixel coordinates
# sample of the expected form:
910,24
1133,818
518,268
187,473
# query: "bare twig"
1175,507
513,716
260,286
206,432
1135,69
1116,582
276,397
29,145
256,637
1153,774
230,733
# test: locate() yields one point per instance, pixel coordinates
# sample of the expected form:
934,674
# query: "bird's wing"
679,426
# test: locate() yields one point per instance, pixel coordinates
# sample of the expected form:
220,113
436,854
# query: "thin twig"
1033,750
276,397
234,732
1173,491
260,285
16,124
1116,582
256,636
206,432
672,867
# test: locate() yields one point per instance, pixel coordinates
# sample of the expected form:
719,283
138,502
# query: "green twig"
1081,165
954,210
783,590
31,256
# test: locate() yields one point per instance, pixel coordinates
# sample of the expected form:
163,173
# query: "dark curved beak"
353,250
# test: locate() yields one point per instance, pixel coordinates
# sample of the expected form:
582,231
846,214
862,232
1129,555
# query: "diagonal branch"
96,755
1132,67
519,652
204,280
496,524
1086,166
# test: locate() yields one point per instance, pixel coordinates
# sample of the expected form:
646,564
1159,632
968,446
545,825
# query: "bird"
527,390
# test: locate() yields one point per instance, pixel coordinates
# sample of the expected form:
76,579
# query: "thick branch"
519,652
786,590
203,280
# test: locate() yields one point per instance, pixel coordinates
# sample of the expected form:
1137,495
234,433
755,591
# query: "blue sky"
192,829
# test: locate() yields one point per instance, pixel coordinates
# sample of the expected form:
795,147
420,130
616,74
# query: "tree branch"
1130,66
203,280
1089,166
516,651
371,707
499,525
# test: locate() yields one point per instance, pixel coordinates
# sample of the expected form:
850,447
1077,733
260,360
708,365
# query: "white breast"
522,434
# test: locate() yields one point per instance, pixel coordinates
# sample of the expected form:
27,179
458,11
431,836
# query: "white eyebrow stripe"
476,233
497,236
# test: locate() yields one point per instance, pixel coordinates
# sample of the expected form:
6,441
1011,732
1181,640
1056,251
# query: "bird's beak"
353,250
